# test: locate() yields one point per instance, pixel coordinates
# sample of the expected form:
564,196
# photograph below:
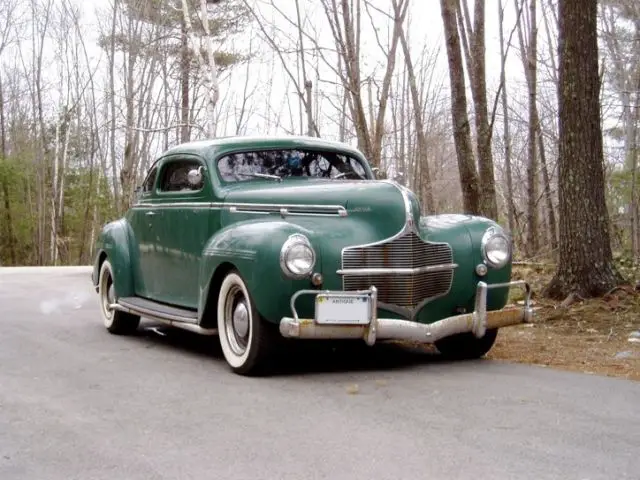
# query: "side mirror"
195,177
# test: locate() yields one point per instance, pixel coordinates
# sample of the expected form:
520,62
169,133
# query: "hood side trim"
262,208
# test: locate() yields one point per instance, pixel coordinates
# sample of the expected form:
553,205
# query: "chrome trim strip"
259,208
397,271
259,212
173,205
287,209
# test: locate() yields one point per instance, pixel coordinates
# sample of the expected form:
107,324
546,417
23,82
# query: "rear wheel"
246,339
466,346
115,321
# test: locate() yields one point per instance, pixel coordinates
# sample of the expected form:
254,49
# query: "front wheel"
115,321
466,346
245,338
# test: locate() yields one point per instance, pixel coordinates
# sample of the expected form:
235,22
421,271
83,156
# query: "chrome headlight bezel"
489,244
294,245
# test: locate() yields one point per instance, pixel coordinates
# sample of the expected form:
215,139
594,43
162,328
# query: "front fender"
114,242
464,234
253,248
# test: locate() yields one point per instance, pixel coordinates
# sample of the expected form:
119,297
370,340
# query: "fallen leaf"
353,389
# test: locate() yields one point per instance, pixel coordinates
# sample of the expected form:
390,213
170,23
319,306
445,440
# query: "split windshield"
286,163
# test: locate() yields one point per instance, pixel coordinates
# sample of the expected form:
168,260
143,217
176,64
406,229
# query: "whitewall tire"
115,321
245,338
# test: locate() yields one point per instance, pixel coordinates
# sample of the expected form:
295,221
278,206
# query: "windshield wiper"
263,175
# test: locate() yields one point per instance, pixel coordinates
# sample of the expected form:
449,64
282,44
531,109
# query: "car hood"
375,209
355,196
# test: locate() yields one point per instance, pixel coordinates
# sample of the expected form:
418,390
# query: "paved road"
78,403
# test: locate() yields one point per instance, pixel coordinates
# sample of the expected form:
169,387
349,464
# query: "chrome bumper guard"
477,322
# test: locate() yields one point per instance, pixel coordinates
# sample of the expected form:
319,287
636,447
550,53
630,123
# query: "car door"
142,218
184,227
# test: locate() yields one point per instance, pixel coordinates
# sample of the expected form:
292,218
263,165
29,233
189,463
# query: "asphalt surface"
78,403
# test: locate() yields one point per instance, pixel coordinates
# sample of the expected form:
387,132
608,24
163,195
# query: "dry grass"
590,336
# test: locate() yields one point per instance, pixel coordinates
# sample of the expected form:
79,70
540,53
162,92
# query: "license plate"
343,309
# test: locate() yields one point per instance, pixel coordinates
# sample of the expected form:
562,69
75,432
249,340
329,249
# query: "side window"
147,186
175,176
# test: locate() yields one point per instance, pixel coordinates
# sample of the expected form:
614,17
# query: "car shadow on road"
305,356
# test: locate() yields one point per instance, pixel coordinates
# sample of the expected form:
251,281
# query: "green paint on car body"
171,247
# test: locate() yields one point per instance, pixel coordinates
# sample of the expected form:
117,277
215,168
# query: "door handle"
150,214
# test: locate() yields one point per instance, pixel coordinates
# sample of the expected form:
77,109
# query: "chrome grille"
407,251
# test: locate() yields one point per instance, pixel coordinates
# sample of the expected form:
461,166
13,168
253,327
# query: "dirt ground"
589,336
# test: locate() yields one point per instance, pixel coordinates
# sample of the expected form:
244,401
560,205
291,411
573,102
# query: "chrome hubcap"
241,319
237,321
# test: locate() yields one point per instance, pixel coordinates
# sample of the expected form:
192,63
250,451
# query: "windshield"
280,164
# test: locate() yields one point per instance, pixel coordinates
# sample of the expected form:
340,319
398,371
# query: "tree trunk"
185,61
548,196
306,102
53,243
460,118
505,114
633,153
585,263
483,129
528,51
532,163
112,105
211,77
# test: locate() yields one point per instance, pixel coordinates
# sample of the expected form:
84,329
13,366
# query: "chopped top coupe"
261,239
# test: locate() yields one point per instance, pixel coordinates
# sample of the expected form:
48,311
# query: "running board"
171,316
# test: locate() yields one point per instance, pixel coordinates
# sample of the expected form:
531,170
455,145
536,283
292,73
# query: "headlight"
297,257
496,248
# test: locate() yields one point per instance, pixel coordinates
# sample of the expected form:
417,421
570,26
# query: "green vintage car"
262,239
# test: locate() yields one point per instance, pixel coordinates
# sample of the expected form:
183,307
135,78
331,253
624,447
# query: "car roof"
209,148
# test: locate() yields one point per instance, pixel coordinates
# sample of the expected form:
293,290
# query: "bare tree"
427,200
345,17
505,121
535,145
303,87
460,118
473,40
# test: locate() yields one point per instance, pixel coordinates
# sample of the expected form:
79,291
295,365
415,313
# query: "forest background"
456,99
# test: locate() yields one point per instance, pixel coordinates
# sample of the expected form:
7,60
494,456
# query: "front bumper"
477,322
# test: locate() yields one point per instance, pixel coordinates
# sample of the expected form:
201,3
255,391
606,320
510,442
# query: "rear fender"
114,243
